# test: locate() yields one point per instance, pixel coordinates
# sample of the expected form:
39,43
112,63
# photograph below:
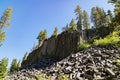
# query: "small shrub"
41,76
117,62
83,46
111,39
63,77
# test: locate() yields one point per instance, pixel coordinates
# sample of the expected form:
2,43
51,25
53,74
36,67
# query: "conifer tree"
40,39
3,68
55,33
14,65
98,17
24,58
116,20
72,25
93,16
86,22
18,64
44,34
110,14
79,17
109,18
5,22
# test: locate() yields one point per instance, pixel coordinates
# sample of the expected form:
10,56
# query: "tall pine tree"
98,17
55,33
116,20
5,22
79,15
86,22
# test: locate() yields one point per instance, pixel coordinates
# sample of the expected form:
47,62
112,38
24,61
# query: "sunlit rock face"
64,44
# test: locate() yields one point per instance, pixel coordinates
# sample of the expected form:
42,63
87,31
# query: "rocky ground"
94,63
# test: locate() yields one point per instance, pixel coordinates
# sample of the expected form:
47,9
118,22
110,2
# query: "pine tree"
18,64
79,17
86,22
72,25
55,33
98,17
40,39
109,18
93,16
14,65
5,22
3,68
116,20
24,58
44,34
110,14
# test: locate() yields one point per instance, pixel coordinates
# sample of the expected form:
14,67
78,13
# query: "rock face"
65,44
94,63
59,47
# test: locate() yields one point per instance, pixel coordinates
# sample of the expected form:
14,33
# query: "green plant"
63,77
83,46
3,68
41,76
117,62
111,39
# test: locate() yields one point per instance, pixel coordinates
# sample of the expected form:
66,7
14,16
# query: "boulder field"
94,63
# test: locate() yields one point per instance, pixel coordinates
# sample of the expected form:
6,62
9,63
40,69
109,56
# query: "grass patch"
83,46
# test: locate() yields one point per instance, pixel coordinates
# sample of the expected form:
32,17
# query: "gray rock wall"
62,46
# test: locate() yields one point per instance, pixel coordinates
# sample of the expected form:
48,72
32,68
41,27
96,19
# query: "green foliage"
2,36
14,65
83,46
117,62
55,33
63,77
42,36
92,38
3,68
24,58
72,25
116,20
111,39
18,64
79,15
117,28
86,22
98,17
4,22
41,76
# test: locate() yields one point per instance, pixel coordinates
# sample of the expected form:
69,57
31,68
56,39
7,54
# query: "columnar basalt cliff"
63,45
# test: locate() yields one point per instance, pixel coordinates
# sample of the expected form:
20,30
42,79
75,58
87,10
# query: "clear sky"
31,16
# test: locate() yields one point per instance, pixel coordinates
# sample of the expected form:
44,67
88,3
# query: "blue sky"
31,16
